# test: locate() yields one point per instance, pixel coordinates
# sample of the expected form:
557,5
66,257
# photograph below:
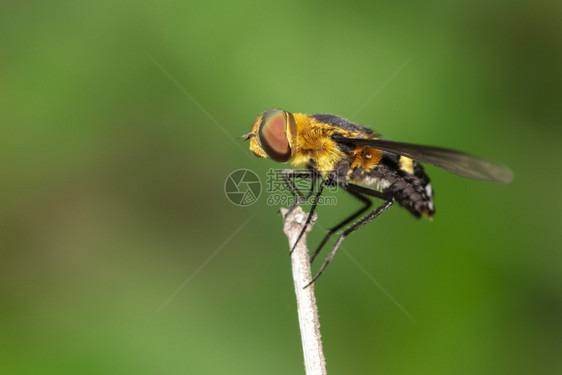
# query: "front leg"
289,176
311,214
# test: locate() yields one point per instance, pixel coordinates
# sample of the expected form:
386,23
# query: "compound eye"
272,135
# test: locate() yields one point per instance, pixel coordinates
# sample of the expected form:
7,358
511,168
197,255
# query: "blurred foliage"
111,186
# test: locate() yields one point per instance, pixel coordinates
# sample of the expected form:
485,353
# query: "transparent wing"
459,163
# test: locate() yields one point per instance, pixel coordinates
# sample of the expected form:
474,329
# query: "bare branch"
314,361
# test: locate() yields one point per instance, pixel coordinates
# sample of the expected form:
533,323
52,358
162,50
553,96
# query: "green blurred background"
112,178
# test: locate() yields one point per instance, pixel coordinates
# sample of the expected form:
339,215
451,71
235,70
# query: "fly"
339,152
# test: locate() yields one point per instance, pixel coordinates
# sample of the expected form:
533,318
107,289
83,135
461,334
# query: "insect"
339,152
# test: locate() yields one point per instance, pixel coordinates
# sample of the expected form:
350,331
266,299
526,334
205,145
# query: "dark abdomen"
411,190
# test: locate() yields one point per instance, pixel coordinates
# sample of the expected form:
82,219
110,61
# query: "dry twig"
314,360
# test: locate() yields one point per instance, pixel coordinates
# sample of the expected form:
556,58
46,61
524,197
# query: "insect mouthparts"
247,136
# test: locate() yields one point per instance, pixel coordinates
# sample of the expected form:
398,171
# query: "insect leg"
313,178
371,192
358,192
347,232
367,203
312,209
289,175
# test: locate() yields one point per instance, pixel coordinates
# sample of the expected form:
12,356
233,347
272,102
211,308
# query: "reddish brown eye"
272,135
